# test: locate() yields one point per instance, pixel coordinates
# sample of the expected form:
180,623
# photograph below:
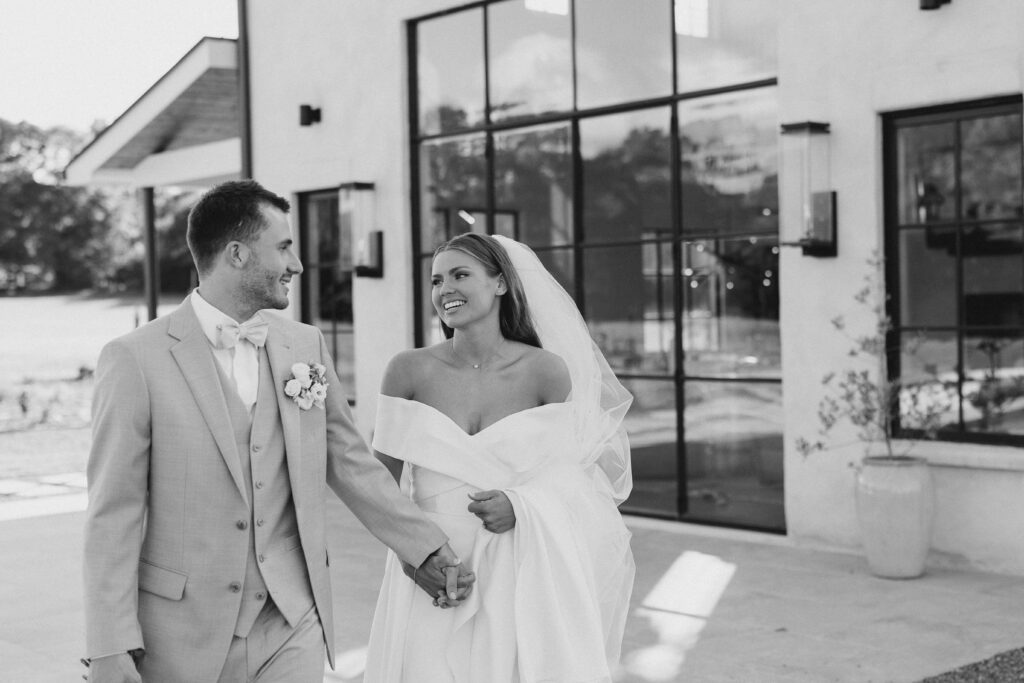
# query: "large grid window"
955,239
632,144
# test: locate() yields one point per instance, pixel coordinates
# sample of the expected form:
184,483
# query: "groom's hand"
114,669
452,586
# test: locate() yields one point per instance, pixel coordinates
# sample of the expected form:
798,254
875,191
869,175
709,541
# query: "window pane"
629,314
927,167
991,167
626,176
734,453
328,279
561,264
730,167
723,42
450,72
928,277
994,383
651,424
533,174
623,51
993,276
928,374
731,308
530,58
453,189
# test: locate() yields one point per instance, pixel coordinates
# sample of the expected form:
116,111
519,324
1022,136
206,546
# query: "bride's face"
462,290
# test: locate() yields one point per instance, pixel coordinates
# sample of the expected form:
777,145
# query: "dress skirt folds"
551,596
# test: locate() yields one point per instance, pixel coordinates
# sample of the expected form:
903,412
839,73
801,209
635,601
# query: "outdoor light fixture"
308,115
357,217
808,203
934,4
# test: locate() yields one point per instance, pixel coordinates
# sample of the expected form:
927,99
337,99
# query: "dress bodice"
500,455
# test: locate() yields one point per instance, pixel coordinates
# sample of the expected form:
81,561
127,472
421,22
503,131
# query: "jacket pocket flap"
166,583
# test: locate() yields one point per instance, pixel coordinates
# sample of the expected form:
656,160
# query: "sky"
75,62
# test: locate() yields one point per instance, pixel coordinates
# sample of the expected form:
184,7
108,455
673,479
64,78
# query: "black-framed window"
326,251
955,266
632,144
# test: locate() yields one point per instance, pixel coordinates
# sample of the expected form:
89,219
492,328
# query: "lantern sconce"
357,218
933,4
808,202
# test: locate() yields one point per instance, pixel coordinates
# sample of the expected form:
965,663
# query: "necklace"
485,361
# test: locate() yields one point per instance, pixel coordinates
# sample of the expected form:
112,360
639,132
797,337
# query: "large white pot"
895,504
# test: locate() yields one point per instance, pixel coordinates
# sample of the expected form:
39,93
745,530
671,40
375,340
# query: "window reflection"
994,382
991,167
734,453
729,149
731,308
626,176
993,286
651,425
724,42
450,72
530,58
453,189
327,279
928,277
926,173
533,182
623,51
629,307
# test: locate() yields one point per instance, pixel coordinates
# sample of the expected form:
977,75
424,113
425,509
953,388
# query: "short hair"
228,212
513,313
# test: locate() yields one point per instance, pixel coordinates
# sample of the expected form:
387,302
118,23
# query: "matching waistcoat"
275,567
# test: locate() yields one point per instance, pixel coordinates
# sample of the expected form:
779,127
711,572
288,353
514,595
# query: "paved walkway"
709,605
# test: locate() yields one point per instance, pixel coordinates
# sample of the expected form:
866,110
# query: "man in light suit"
205,548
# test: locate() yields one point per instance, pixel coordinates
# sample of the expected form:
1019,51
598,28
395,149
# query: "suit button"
259,484
235,586
242,524
256,448
260,596
261,558
259,522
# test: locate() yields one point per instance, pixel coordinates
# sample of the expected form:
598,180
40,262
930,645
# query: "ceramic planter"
895,504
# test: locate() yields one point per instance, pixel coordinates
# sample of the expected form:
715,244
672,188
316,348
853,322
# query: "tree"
51,235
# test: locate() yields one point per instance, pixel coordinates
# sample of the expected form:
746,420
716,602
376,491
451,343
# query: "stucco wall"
845,63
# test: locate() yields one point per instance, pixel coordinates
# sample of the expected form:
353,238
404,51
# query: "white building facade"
635,144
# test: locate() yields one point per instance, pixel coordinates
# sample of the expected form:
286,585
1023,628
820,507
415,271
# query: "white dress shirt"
241,364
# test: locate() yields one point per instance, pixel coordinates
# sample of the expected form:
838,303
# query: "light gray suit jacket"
166,491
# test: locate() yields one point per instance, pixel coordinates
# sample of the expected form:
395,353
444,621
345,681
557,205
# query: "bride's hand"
443,577
494,509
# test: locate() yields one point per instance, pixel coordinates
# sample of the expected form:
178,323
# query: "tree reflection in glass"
453,189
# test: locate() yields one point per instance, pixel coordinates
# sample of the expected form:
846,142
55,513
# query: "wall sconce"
356,217
308,115
934,4
808,203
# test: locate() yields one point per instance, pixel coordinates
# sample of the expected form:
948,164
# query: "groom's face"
272,263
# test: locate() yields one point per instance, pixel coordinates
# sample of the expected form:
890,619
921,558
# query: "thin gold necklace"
485,361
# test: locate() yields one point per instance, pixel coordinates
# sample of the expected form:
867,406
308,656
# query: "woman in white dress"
509,436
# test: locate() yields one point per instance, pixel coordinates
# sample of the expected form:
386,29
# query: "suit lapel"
196,361
279,352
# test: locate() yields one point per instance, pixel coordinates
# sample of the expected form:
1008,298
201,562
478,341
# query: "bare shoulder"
550,373
409,370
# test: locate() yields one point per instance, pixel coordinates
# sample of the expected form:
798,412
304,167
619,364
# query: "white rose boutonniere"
308,385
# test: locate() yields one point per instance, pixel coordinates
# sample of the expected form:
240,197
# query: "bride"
509,436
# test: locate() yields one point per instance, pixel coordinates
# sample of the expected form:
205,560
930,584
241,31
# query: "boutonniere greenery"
308,385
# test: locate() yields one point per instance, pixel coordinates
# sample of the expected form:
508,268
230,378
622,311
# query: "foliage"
865,396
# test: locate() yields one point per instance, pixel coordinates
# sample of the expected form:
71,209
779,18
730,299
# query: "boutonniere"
308,385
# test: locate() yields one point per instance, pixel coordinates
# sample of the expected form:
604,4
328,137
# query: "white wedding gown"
551,595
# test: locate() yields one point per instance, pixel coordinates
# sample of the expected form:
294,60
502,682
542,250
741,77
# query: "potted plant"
894,491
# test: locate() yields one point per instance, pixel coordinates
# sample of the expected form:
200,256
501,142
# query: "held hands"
494,509
443,576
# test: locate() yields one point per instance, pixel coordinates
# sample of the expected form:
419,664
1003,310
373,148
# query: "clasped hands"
442,575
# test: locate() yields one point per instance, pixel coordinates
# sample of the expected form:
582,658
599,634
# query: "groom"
205,540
